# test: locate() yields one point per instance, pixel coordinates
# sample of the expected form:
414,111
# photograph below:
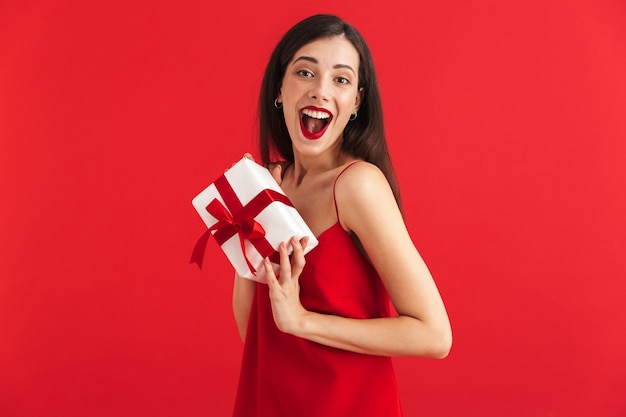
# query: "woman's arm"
243,293
422,327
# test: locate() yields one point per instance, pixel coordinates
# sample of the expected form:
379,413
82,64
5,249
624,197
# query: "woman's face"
319,93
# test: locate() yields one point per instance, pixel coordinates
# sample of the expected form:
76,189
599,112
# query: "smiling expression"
319,93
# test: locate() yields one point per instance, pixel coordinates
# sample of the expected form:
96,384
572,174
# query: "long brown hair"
364,137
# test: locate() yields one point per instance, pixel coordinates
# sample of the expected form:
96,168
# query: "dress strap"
335,183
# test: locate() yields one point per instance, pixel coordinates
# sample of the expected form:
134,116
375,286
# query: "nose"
319,90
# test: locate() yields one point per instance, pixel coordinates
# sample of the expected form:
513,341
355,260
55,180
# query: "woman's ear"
359,98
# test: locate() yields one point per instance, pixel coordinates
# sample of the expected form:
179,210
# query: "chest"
315,203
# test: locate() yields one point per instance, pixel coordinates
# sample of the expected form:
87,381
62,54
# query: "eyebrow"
315,61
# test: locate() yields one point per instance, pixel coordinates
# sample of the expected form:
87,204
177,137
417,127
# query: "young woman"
319,336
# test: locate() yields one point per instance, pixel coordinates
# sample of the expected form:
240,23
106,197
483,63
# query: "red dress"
284,375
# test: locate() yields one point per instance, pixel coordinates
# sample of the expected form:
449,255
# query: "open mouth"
314,122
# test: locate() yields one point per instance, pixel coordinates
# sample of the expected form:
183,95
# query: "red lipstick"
314,121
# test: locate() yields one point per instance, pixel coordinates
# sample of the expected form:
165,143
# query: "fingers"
270,276
245,155
285,264
304,241
277,172
297,258
291,266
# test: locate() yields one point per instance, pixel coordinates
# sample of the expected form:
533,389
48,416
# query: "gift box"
248,215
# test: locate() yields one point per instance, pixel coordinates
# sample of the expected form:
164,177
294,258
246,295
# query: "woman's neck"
307,165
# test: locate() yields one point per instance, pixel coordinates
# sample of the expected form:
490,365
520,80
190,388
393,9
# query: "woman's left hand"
284,290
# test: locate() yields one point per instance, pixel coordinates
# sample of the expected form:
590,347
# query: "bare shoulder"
361,192
360,177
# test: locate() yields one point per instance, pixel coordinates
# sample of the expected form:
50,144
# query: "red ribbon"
238,219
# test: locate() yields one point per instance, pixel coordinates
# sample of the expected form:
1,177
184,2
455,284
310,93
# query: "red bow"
238,220
227,226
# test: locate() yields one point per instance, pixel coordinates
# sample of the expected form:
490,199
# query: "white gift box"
249,216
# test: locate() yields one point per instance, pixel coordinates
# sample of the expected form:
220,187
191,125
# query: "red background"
507,125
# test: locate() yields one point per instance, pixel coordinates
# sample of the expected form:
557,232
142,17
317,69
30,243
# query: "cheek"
290,114
289,102
292,120
348,104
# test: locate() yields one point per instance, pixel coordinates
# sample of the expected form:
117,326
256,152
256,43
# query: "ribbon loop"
229,225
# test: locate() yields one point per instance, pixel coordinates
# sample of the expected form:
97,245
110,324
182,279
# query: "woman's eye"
343,80
305,73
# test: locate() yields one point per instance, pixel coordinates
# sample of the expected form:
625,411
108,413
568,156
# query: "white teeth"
316,114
